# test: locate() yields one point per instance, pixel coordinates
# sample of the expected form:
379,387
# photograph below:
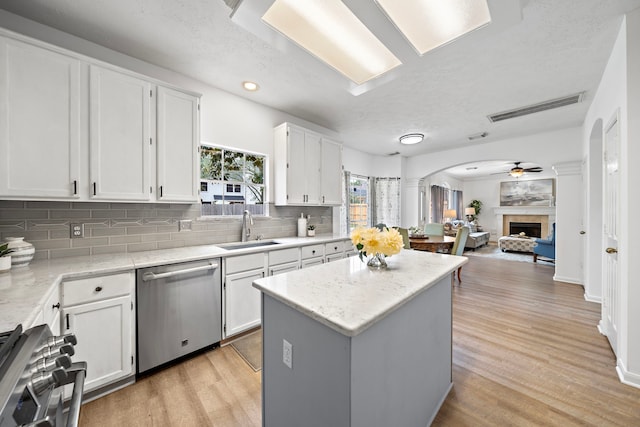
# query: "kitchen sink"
244,245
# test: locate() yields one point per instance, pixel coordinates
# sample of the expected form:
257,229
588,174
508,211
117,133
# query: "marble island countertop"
349,297
23,290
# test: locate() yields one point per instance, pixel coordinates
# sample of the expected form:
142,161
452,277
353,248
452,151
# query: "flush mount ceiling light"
428,24
411,138
250,86
516,172
330,31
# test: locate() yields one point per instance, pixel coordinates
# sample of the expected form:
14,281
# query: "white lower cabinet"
241,299
311,255
99,312
284,261
51,311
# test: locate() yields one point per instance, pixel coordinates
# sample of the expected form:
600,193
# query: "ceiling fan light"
516,172
411,138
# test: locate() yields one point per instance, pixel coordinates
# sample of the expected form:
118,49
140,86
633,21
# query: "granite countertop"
24,290
349,297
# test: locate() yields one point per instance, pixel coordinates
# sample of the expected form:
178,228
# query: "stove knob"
56,351
50,363
63,339
43,380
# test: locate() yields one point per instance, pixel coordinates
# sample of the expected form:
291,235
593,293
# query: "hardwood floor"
526,352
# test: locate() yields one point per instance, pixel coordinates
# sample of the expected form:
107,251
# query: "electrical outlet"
287,353
77,230
184,225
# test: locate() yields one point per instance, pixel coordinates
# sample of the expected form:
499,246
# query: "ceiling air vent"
536,108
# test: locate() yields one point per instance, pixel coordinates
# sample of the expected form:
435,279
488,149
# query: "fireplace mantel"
547,214
525,210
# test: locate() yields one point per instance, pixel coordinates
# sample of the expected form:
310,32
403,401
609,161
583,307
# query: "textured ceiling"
559,47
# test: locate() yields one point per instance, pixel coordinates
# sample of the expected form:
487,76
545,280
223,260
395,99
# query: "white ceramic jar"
5,264
21,252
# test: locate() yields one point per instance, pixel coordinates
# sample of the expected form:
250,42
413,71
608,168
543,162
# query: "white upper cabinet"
331,172
178,126
74,128
304,171
40,125
120,135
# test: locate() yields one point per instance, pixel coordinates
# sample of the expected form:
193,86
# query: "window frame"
241,184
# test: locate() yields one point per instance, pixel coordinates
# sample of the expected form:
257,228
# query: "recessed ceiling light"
411,138
428,24
250,86
330,31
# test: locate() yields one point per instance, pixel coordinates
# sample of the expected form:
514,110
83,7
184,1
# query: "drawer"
312,251
283,256
97,288
333,248
236,264
52,306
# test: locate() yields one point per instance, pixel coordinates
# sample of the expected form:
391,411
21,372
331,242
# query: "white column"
569,254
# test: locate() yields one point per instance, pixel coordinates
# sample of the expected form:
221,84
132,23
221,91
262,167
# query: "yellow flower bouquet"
376,244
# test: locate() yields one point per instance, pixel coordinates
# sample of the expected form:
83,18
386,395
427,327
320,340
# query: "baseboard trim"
567,280
626,377
590,298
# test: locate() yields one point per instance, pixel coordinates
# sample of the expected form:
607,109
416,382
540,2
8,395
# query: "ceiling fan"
517,171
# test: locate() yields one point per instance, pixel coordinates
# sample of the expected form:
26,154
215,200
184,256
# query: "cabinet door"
311,262
120,133
283,268
296,167
242,302
312,153
331,172
104,331
177,147
39,122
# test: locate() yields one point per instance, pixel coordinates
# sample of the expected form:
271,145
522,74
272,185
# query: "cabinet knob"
56,305
98,288
611,251
313,252
335,248
583,232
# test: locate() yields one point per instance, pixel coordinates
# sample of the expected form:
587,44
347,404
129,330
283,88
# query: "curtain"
385,196
456,203
438,199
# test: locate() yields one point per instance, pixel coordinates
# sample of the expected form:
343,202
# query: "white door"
177,146
611,277
242,302
104,332
331,173
39,122
119,136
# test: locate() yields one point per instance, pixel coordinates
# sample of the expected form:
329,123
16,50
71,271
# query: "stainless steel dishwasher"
179,310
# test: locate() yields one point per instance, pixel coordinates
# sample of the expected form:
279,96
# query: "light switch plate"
287,353
77,230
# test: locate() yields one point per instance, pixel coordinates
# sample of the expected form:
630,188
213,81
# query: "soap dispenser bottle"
302,226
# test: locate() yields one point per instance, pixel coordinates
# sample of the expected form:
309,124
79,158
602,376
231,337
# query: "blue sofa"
546,247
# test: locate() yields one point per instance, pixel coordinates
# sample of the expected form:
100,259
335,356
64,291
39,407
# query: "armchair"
546,247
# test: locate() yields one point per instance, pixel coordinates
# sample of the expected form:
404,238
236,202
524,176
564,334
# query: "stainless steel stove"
34,367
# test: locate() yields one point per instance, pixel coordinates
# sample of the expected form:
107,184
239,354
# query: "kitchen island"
347,345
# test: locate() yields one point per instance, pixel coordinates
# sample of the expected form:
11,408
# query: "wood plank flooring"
526,352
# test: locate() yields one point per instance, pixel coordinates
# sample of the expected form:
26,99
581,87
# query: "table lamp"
449,214
469,212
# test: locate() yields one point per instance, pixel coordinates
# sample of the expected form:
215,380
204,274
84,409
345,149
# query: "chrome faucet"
246,228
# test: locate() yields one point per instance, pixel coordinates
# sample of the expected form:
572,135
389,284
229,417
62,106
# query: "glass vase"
377,261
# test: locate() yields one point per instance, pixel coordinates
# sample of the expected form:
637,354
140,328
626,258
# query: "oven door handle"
76,374
148,276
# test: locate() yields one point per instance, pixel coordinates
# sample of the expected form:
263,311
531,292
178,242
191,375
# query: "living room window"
231,181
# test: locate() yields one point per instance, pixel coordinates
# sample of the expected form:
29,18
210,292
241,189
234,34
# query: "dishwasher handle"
148,276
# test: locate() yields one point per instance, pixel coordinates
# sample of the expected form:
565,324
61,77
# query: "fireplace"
531,229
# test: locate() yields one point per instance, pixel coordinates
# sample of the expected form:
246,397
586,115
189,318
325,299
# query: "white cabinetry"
40,122
300,165
74,128
178,168
99,311
283,261
120,135
334,251
51,312
242,300
311,255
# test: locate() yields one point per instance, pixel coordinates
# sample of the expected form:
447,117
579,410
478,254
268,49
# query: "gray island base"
367,347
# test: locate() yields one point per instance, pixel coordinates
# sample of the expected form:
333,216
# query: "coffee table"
432,243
